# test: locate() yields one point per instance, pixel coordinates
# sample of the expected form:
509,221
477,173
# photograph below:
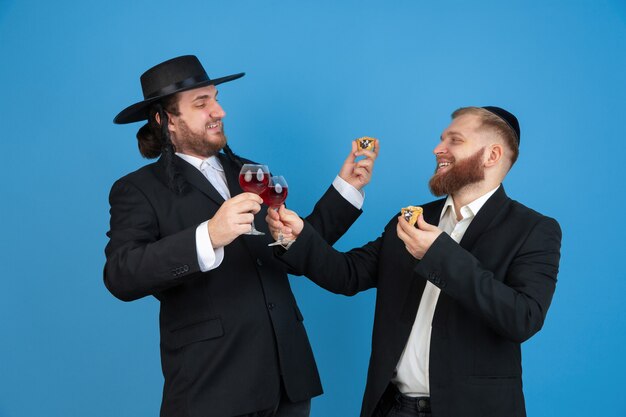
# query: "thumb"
349,161
273,214
423,225
284,213
355,148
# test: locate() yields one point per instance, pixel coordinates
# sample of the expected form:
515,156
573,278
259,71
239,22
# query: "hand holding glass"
275,195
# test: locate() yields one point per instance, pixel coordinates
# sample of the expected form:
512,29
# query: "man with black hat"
454,301
232,338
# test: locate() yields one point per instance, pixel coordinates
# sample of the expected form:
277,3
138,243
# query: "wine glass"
274,195
254,178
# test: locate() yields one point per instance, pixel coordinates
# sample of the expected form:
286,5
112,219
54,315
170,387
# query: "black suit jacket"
496,287
228,336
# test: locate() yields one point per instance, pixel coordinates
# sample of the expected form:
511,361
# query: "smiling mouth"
213,125
441,165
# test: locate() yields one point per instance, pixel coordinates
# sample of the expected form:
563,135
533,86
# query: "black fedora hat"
169,77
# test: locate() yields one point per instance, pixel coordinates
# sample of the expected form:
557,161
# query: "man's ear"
495,152
170,123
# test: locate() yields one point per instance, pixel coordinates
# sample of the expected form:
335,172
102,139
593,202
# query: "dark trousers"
394,404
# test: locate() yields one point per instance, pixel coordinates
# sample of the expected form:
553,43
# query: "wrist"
211,233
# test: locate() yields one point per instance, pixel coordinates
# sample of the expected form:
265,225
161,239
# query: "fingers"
245,197
293,223
401,233
286,214
355,147
243,218
409,235
245,202
405,226
364,167
273,214
367,163
423,225
404,230
352,155
273,222
369,154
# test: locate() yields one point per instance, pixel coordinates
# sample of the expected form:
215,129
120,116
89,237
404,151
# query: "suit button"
259,262
271,306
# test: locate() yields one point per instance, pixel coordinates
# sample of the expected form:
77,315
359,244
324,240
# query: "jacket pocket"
197,332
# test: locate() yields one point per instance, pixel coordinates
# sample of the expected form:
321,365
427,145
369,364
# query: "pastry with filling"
366,143
411,213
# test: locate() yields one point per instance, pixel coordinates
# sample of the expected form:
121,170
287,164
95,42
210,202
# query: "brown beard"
463,173
189,142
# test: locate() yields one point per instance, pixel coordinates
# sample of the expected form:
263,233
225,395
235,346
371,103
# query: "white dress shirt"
209,257
412,377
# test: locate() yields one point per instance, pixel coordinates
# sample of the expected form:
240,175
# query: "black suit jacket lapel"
193,177
484,218
432,211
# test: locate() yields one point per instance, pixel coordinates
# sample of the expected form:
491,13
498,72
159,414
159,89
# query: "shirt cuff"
348,192
208,258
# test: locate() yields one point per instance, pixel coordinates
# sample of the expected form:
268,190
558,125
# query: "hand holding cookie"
417,235
359,173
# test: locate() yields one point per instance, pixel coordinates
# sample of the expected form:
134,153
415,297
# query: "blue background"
319,73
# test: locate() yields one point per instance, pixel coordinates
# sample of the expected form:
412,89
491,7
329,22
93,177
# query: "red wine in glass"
254,178
275,195
276,192
254,181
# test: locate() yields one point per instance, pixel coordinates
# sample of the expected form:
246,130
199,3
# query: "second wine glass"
274,195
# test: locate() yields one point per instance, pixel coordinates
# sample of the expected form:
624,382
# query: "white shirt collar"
213,161
469,210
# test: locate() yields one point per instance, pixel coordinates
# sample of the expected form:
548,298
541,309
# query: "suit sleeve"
341,273
332,216
515,306
139,261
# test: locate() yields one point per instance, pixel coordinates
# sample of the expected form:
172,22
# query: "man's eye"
200,106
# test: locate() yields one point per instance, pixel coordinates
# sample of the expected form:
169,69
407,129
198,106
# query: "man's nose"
217,111
439,149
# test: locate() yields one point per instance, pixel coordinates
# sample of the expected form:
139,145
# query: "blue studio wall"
319,74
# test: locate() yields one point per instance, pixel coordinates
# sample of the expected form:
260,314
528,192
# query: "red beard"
464,172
